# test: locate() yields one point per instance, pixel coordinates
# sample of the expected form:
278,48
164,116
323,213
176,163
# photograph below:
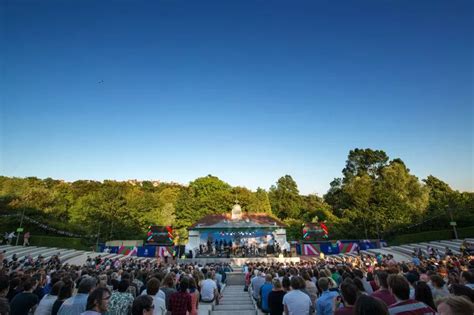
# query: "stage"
239,261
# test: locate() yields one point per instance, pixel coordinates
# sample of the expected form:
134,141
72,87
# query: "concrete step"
237,299
247,312
224,302
229,307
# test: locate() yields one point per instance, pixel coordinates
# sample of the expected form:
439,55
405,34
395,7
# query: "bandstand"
237,235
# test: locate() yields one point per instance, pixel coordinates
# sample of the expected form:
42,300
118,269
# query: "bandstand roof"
246,221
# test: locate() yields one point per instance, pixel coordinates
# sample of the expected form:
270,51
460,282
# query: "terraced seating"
234,302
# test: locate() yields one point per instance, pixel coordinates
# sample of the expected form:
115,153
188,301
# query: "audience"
296,302
368,305
400,288
275,298
97,301
325,286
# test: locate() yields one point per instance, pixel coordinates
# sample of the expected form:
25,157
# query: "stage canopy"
234,225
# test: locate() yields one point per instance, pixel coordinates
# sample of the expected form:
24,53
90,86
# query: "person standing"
193,291
153,290
121,301
26,239
45,306
97,302
325,303
25,302
275,298
265,290
296,302
143,305
77,304
256,283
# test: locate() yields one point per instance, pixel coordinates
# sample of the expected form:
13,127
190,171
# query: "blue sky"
245,90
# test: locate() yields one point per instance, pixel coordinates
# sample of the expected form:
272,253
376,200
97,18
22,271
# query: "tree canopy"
374,197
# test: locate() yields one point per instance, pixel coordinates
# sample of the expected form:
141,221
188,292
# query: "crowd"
243,247
364,285
106,286
429,284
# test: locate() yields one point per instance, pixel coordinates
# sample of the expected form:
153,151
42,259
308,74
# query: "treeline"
374,197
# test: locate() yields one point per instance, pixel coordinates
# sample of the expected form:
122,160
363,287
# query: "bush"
431,236
61,242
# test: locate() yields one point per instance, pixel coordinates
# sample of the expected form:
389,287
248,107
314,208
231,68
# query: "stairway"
235,301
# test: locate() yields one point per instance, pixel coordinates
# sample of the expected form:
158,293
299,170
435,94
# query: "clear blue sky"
245,90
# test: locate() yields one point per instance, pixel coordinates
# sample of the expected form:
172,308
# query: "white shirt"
207,289
160,305
160,294
297,302
45,306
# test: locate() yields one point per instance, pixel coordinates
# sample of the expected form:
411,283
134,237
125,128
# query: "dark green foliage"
430,236
375,197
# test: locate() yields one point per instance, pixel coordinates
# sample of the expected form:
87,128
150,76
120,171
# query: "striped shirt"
410,307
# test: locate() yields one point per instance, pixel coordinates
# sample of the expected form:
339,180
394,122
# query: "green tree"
399,197
285,198
364,161
261,202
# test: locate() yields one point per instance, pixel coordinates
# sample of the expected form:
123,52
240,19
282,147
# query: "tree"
399,197
285,199
261,202
364,161
359,192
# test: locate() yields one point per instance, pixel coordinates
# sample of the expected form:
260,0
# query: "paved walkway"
234,301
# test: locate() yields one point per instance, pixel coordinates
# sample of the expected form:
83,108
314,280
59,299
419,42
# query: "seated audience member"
349,293
423,294
368,305
438,287
209,291
400,288
467,278
181,302
4,287
455,305
383,293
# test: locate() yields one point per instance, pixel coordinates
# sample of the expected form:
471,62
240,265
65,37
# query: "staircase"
235,301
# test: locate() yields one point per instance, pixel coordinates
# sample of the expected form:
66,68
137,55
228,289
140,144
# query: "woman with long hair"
423,294
65,292
193,291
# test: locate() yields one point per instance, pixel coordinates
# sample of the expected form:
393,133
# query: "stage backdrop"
302,248
142,251
336,247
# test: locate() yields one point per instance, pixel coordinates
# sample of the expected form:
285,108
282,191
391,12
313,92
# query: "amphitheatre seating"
78,257
234,302
404,252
